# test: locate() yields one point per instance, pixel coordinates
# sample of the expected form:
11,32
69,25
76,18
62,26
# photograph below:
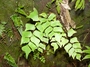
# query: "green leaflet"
58,29
86,57
78,50
40,50
51,16
86,51
24,40
78,56
73,40
42,20
26,34
32,46
46,40
17,20
48,30
55,46
38,34
80,4
71,32
39,27
58,37
1,29
45,25
51,34
63,41
42,45
21,11
34,15
44,15
76,45
29,27
58,8
67,47
71,51
74,55
77,3
35,40
55,23
27,50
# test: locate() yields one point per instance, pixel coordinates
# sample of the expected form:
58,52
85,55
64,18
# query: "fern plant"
2,28
87,54
10,60
48,31
79,4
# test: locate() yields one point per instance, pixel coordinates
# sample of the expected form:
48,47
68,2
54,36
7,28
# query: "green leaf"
58,8
80,5
58,37
71,51
48,30
45,25
78,56
58,29
74,40
51,34
46,40
42,45
86,51
39,27
51,16
74,55
17,20
71,32
21,11
35,40
86,57
76,45
43,15
29,27
3,22
78,50
77,3
55,46
89,63
56,23
34,15
87,47
42,19
67,47
24,40
40,50
26,34
27,50
2,27
60,1
63,41
32,46
38,34
10,60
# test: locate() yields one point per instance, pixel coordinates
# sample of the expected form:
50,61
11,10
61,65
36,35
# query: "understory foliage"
10,60
79,4
2,28
45,31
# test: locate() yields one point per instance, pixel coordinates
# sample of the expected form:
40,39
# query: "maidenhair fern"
48,31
